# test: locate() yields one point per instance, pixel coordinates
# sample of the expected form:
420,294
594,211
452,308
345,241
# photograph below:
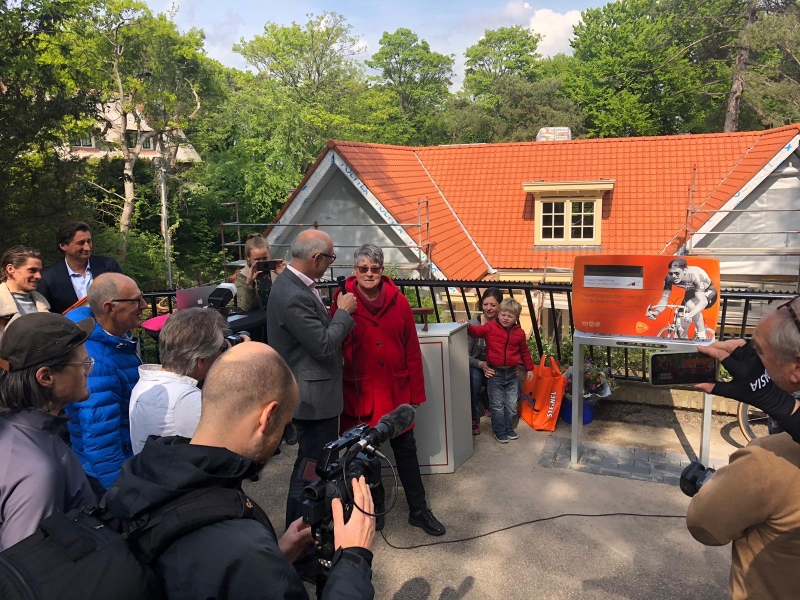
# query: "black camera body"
233,338
693,477
338,464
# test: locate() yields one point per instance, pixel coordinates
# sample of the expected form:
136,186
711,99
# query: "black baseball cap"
37,338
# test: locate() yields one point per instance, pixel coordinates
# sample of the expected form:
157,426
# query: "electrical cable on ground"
475,537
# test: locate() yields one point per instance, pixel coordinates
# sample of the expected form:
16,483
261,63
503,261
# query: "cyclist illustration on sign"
700,294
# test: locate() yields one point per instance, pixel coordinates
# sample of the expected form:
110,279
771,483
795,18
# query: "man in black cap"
43,367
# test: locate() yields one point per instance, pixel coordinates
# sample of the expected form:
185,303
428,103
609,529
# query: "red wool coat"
382,360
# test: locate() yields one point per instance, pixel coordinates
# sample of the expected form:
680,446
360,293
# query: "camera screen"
682,369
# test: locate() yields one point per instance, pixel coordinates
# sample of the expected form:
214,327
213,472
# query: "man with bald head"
249,397
99,427
302,331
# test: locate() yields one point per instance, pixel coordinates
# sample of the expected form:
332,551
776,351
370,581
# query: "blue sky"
450,26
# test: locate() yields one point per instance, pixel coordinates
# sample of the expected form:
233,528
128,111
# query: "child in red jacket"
506,348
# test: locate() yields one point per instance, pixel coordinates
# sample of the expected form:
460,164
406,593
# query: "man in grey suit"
301,330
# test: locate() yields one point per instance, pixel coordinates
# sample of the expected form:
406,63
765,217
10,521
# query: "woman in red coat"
382,370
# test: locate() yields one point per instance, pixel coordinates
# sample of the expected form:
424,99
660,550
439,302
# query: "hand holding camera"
359,531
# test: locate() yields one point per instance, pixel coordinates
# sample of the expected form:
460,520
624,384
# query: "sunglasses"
375,270
788,306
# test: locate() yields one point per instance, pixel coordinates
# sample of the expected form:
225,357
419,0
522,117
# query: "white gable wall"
755,231
335,202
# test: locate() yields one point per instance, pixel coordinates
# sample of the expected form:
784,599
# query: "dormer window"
568,213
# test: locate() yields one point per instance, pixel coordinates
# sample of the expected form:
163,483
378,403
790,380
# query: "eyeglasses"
331,256
364,269
788,306
88,364
138,300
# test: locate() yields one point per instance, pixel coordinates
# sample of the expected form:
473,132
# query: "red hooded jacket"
382,359
504,347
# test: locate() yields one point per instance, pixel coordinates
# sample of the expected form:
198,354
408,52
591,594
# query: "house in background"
521,211
101,142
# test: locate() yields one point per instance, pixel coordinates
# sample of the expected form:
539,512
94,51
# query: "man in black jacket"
248,398
66,282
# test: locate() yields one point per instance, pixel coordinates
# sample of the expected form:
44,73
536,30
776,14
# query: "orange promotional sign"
649,296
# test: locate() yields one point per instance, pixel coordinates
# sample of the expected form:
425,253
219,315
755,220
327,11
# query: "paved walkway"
595,558
618,461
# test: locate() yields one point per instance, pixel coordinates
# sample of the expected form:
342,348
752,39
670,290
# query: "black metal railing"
739,313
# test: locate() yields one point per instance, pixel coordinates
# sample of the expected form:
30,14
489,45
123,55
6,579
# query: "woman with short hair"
382,370
20,271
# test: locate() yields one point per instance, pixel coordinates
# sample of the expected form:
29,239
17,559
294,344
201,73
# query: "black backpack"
87,555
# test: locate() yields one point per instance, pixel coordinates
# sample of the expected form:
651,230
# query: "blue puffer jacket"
99,427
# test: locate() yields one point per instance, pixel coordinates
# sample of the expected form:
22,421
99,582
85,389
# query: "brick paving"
618,461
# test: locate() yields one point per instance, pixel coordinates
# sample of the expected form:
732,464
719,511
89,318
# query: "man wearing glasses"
43,367
302,331
99,427
754,502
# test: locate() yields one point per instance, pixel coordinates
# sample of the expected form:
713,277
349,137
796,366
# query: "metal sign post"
581,340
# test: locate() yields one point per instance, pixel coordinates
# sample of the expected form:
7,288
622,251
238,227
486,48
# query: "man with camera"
302,331
248,397
754,502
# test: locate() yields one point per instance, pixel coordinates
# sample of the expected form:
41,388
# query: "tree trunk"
127,207
739,68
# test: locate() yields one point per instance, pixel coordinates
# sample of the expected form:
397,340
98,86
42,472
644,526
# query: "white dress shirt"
80,283
312,285
163,403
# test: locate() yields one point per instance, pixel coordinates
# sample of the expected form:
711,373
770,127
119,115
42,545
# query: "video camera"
693,477
353,455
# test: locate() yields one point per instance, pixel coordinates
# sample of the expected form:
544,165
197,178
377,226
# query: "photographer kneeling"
248,397
754,502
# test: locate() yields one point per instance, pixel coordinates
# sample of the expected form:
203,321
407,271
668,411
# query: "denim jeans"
503,390
476,380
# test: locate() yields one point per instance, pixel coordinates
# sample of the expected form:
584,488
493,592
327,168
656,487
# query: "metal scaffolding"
422,248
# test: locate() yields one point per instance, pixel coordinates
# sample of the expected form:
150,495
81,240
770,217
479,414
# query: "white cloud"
556,29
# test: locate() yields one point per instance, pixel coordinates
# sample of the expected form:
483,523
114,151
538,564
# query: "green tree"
39,187
144,71
626,75
418,80
500,52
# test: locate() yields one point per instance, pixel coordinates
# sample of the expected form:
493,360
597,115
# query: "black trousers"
404,447
311,437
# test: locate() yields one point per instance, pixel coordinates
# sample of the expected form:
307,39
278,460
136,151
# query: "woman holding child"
479,370
506,348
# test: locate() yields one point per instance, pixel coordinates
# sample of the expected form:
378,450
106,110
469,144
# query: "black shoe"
254,478
290,435
427,522
380,521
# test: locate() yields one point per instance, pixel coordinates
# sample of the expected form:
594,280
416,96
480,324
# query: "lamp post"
158,163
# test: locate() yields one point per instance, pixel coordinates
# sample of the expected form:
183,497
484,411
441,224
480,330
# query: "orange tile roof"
479,209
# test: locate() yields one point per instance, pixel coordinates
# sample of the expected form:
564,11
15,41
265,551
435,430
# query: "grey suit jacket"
302,331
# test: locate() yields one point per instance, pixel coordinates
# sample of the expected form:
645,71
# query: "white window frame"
78,143
567,240
568,192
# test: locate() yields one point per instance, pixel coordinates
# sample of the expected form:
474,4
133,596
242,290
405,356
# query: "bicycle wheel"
667,333
752,421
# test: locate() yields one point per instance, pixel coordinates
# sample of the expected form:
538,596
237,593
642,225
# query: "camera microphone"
340,280
391,425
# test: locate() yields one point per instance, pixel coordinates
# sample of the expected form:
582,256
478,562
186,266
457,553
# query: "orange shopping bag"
541,398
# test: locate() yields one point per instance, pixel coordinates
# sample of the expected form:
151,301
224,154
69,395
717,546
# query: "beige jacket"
754,502
8,308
